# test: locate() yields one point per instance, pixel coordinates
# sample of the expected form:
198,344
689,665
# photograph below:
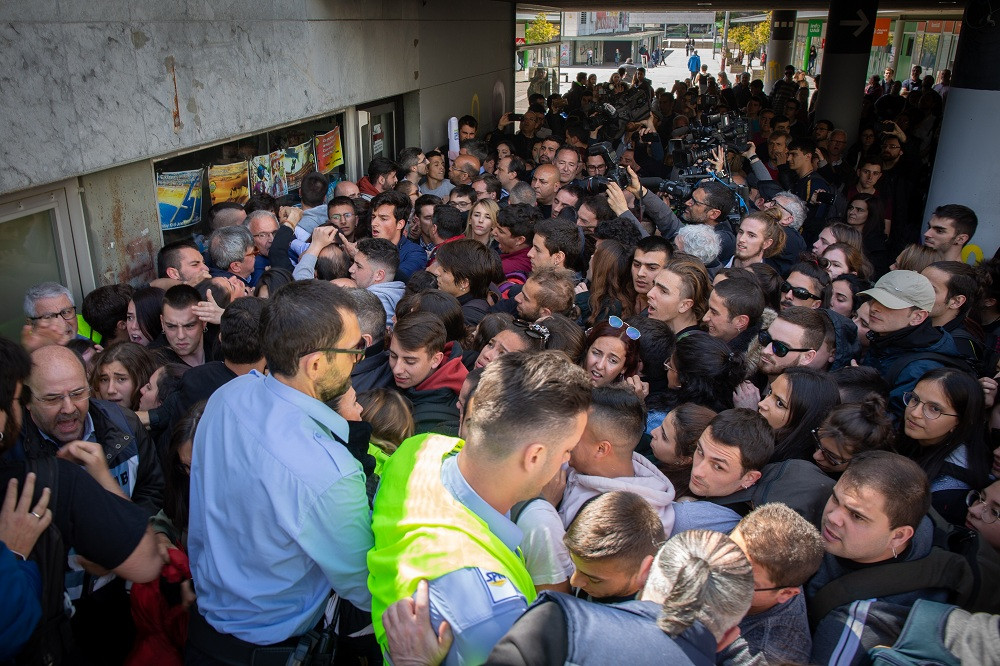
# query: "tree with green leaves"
540,30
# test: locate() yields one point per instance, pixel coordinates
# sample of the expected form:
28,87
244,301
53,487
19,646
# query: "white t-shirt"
545,556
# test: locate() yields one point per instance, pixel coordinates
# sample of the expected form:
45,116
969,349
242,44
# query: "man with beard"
270,467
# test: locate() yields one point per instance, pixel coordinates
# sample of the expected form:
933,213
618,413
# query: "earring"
894,555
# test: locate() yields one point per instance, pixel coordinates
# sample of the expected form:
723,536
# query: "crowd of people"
499,407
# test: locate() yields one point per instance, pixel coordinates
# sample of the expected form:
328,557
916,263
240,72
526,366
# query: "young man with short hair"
390,211
427,371
612,543
412,164
183,339
374,268
548,290
436,181
880,558
810,187
381,177
734,310
904,342
649,258
807,285
341,213
465,269
182,261
793,339
524,417
951,228
785,550
514,232
557,243
569,196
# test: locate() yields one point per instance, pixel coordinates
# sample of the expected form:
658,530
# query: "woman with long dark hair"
794,404
702,370
944,430
120,372
142,320
866,213
611,290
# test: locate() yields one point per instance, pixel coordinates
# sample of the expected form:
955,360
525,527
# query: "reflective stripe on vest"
422,532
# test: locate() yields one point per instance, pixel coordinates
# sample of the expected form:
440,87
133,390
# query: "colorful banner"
297,161
260,174
229,182
178,198
881,35
329,151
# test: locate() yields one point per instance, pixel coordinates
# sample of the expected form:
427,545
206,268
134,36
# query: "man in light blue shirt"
278,511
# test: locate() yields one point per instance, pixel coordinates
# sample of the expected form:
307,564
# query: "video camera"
694,143
615,171
612,119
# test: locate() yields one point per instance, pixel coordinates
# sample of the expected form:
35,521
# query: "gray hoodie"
389,293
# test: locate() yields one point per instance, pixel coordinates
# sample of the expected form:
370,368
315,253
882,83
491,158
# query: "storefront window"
270,162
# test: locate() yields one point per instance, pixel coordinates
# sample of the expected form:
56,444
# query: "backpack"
948,361
922,640
52,639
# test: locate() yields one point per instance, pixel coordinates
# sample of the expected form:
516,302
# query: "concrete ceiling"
907,6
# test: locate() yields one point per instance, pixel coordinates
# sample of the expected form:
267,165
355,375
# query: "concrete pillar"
965,165
897,44
779,48
849,30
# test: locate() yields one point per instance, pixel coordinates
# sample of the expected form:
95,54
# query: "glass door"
37,245
377,133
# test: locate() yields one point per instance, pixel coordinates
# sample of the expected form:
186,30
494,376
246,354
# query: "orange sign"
881,36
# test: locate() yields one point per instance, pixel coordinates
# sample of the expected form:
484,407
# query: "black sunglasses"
800,293
781,349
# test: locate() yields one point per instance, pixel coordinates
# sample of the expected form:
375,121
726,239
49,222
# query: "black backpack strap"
906,359
518,509
940,569
53,637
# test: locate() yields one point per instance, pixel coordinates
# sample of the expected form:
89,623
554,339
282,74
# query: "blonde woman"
482,217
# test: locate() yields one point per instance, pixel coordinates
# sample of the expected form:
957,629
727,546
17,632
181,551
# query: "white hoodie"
648,483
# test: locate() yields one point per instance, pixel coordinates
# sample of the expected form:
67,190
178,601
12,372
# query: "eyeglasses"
700,203
830,458
780,348
632,333
263,235
770,589
358,350
78,394
533,330
975,497
800,293
931,410
65,313
771,203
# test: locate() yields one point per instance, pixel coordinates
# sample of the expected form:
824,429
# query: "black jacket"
128,450
373,370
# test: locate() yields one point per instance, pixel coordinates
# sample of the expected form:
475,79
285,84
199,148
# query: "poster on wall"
178,198
229,182
297,161
279,182
329,151
260,174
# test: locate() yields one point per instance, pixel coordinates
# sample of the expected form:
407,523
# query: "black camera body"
615,171
612,119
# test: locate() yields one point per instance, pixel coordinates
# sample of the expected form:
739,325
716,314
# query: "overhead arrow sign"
862,23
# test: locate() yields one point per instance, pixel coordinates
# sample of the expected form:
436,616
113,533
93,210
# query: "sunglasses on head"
616,322
533,330
800,293
781,349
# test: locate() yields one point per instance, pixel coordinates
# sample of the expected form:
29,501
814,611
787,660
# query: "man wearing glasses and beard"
279,514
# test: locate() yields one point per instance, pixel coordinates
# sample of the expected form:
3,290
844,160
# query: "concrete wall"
89,86
101,89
